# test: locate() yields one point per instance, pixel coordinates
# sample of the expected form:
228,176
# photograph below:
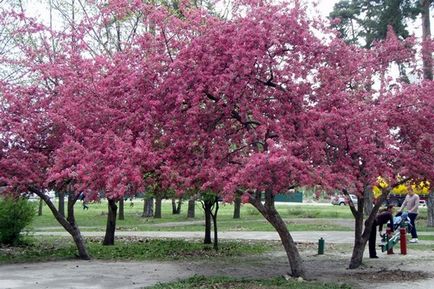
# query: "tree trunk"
270,213
121,209
237,207
359,243
207,205
41,203
362,230
70,228
157,213
368,197
72,199
430,209
178,206
426,37
109,238
357,255
148,208
214,221
173,206
361,235
62,203
191,208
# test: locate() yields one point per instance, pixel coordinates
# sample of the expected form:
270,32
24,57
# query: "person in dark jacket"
382,218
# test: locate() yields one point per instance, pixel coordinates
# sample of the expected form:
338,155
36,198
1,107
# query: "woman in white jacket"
411,203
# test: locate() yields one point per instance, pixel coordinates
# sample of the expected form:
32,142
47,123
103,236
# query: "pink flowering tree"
258,108
241,98
28,133
74,122
410,115
357,139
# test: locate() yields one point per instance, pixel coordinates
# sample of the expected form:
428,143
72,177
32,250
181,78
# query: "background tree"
364,22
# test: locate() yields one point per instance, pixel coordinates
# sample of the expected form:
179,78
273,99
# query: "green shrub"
15,215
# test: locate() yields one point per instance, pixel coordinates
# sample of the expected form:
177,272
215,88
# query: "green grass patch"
51,249
426,237
200,282
421,226
95,218
420,247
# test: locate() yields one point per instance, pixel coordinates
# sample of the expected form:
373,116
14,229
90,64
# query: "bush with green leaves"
15,215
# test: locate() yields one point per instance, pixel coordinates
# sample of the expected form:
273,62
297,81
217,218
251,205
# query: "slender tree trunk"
157,213
191,208
178,206
41,203
430,209
121,209
173,206
270,213
109,238
207,205
62,203
71,229
214,221
148,208
72,199
237,207
426,36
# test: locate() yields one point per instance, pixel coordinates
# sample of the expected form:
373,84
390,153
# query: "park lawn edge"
128,249
216,282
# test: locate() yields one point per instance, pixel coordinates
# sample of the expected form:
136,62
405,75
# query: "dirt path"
386,272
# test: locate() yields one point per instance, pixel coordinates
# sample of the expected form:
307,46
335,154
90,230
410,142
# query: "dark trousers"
373,240
413,217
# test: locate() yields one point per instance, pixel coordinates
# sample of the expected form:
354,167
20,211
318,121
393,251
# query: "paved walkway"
341,237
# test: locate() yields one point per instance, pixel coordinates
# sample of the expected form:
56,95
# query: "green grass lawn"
200,282
138,249
94,219
315,218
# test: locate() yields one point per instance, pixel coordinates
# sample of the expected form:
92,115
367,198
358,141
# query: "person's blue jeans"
413,231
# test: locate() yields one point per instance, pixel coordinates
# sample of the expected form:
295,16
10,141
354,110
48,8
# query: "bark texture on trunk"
157,213
214,221
121,215
72,199
270,213
430,209
237,207
207,206
368,198
62,203
173,206
109,238
426,36
72,229
191,208
359,242
148,208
